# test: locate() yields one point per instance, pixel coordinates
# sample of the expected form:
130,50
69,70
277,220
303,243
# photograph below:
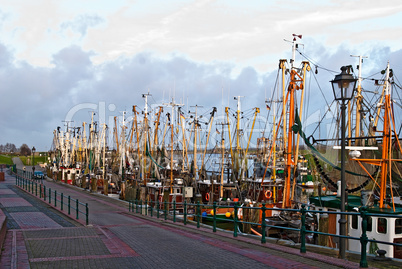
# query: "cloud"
82,23
35,100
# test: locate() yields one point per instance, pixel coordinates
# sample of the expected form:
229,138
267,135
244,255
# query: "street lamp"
33,158
343,86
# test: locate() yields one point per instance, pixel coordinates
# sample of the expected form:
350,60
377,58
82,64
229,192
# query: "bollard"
303,230
40,191
69,204
363,238
76,208
214,217
152,209
235,221
263,224
61,201
198,214
44,193
136,206
86,214
50,195
174,211
129,206
36,189
141,206
55,198
185,213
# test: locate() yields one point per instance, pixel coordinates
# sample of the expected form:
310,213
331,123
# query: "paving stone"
65,232
66,247
28,220
15,201
119,239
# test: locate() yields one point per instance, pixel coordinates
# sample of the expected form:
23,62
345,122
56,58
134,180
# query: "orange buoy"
268,194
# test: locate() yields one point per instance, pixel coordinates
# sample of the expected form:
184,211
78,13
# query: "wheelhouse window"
398,226
382,226
369,224
355,223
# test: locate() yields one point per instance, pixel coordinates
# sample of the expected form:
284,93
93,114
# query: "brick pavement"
119,239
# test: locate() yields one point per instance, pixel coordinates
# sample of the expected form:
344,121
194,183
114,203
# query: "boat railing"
24,180
169,211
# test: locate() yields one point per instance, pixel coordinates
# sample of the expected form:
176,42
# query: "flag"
182,116
268,107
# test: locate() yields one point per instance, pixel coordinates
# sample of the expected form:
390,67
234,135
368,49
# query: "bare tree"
25,150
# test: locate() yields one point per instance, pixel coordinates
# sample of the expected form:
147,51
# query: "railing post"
303,229
165,209
185,213
40,191
152,210
136,206
141,207
214,217
69,204
157,208
198,214
235,221
61,201
36,189
174,211
263,223
86,214
363,238
76,209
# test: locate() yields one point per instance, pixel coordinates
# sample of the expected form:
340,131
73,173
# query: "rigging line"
319,87
307,99
314,63
275,88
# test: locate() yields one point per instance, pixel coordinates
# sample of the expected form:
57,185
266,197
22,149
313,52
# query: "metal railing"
170,209
52,197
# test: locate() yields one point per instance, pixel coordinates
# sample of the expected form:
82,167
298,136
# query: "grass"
27,160
5,159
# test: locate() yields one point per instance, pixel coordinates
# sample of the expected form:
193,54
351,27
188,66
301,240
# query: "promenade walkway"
39,236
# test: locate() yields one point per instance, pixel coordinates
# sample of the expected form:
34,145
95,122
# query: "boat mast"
173,105
385,141
282,65
145,135
358,99
195,139
306,68
293,86
211,120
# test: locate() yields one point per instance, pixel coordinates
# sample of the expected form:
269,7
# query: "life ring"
268,194
207,196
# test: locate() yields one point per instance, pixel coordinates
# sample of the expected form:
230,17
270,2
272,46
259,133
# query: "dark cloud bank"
35,100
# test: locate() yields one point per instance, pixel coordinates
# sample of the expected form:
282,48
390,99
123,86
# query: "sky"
61,59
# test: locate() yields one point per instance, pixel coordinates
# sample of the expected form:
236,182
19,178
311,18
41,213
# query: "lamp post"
343,86
33,159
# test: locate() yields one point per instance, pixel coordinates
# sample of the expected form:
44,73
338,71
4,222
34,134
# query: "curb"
3,229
